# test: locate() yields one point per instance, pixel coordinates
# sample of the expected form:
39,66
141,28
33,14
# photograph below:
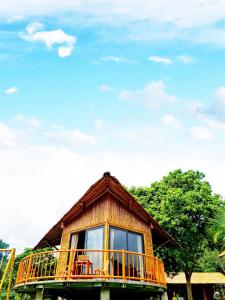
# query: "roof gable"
106,184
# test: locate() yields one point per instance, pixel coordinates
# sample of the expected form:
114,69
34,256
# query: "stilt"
39,293
164,296
104,294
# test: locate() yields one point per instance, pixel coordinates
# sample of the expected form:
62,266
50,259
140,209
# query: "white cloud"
99,123
184,14
171,121
104,88
160,59
34,27
112,58
34,33
218,103
152,95
213,123
11,90
185,59
200,133
33,122
71,138
195,20
9,138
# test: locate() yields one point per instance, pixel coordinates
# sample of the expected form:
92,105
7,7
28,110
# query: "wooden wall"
109,211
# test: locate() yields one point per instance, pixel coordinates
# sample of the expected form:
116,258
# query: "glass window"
126,240
135,242
94,239
118,239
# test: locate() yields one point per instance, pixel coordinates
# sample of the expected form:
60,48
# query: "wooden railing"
91,264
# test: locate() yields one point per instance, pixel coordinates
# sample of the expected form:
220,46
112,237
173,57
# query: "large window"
123,239
90,239
131,241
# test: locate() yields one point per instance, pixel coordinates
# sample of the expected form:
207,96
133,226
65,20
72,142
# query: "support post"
164,296
104,294
39,293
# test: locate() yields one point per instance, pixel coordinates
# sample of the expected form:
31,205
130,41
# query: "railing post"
123,265
29,267
70,263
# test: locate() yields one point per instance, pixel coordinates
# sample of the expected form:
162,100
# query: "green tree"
27,251
3,245
182,203
3,257
217,227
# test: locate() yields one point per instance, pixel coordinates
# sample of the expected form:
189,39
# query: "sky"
133,87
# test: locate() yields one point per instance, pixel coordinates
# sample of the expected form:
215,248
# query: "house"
203,285
106,245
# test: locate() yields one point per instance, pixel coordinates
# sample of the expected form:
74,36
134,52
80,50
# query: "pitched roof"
198,278
106,184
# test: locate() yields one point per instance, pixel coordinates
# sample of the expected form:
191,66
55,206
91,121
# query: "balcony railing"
90,264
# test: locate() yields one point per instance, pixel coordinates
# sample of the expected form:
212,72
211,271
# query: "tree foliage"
182,203
27,251
217,227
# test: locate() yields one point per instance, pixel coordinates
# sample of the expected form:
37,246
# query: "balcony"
90,265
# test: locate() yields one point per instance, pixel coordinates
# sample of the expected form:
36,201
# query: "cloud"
152,95
185,59
104,88
218,103
170,121
213,123
9,138
99,123
71,138
12,90
194,20
112,58
160,59
34,33
34,27
33,122
200,133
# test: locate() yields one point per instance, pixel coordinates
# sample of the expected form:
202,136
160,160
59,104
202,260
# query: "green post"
39,293
105,294
164,296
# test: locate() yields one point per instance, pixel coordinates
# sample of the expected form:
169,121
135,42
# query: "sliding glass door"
94,240
126,240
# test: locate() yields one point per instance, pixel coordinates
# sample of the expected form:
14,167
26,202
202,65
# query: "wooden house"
204,285
104,249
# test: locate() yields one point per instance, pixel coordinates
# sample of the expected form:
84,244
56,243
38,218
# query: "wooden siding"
94,215
109,211
63,256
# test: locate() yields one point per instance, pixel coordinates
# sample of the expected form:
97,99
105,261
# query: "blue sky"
133,87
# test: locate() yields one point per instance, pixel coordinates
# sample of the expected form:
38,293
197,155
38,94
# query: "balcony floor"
82,287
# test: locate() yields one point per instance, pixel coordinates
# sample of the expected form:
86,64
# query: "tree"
182,203
27,251
217,227
3,257
3,245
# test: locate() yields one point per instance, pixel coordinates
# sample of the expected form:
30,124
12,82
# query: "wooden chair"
82,265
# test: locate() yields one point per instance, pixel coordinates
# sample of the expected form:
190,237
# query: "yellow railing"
6,268
91,264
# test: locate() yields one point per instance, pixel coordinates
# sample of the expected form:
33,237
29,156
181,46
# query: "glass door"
117,241
94,240
135,262
121,239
